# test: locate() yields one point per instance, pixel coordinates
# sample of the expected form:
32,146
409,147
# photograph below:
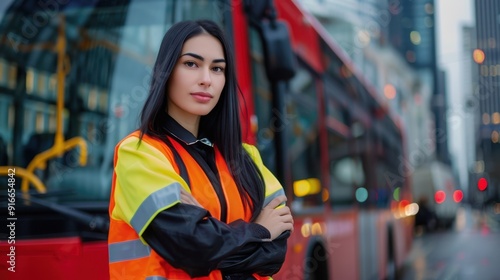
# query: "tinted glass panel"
304,146
106,68
262,103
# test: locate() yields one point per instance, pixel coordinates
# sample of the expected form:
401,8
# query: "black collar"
180,133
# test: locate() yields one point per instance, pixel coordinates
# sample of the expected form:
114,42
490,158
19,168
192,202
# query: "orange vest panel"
145,262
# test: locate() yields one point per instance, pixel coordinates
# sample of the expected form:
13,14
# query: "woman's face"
198,78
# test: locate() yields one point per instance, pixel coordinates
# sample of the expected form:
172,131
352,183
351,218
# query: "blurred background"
381,118
445,46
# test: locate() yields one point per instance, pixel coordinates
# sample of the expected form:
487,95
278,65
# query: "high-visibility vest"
159,180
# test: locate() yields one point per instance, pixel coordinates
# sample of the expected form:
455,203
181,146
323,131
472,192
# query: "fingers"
288,222
276,202
283,211
285,223
276,220
286,218
287,226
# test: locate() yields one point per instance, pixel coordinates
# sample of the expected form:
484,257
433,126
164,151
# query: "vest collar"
180,133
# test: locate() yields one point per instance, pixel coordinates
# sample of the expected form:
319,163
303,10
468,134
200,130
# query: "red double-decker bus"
74,75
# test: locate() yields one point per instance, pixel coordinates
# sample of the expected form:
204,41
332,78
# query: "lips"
204,94
202,97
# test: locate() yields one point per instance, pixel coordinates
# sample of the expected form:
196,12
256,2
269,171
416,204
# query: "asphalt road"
469,251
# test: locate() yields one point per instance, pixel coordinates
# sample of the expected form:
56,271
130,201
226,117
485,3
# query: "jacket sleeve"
190,239
147,197
264,259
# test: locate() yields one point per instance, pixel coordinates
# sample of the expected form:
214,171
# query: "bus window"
300,125
108,59
263,103
390,179
385,187
304,149
346,176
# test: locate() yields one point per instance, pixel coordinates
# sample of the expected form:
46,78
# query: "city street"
369,116
470,250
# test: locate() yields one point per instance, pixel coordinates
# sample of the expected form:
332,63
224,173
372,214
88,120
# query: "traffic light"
482,184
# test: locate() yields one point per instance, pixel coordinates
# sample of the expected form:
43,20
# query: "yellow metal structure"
60,145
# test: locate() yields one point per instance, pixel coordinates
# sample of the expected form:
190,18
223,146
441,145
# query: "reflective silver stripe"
127,250
157,200
273,196
156,278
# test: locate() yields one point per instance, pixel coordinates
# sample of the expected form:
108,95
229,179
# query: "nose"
205,78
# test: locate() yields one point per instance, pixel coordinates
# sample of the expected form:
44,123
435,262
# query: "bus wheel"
316,267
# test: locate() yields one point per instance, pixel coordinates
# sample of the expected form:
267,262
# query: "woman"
184,184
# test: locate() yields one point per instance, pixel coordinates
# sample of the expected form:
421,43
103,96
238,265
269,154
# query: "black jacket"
238,249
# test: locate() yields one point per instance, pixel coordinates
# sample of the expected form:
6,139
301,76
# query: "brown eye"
218,69
190,64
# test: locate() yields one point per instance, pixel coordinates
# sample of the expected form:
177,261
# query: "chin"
205,111
200,112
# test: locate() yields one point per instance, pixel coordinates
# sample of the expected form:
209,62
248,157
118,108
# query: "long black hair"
221,125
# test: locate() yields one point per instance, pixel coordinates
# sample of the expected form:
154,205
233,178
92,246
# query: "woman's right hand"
276,220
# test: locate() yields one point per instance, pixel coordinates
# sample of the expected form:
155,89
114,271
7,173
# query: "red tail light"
482,184
458,195
440,197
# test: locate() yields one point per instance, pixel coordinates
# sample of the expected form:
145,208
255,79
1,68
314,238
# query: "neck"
190,123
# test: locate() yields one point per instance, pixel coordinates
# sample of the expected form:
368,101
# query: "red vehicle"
74,75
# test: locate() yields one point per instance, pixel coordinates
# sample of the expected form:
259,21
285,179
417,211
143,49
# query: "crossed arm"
189,238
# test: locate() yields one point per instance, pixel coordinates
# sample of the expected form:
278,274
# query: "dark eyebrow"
202,59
